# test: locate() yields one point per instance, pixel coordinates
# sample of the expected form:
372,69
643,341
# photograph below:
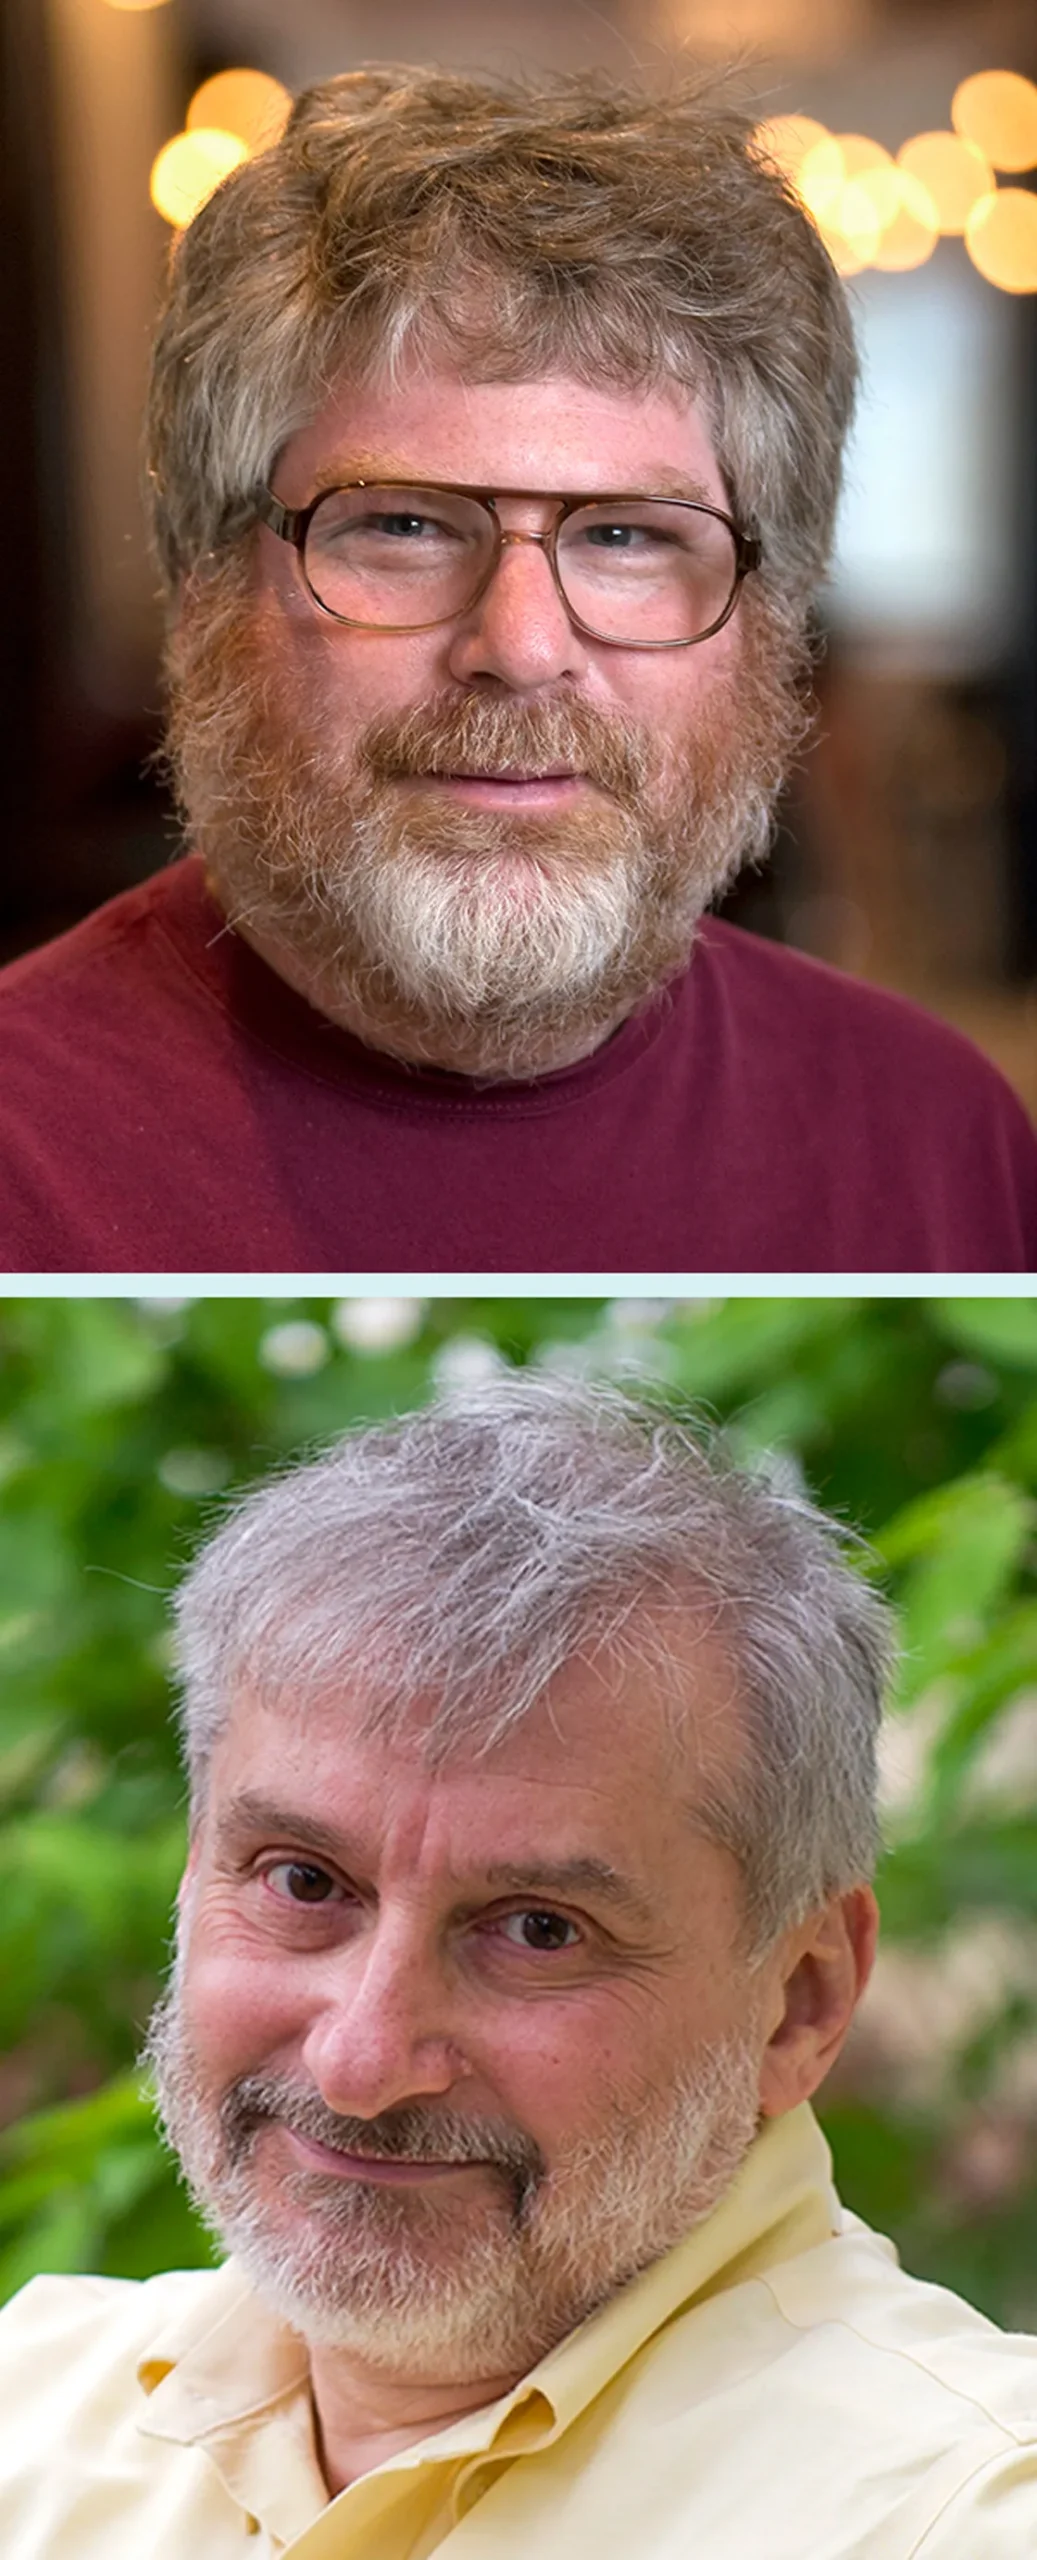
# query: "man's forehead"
552,435
634,1734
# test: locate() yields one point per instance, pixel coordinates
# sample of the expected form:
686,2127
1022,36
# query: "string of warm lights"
871,207
876,210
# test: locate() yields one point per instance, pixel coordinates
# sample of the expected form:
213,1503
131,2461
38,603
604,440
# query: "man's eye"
404,526
542,1932
615,537
625,537
298,1882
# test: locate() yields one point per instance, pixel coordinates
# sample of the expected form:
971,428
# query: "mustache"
478,734
404,2133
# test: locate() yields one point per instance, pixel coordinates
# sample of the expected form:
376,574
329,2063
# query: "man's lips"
349,2164
541,790
509,773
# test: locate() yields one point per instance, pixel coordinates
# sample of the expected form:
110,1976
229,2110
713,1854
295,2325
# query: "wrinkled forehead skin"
593,1771
650,1725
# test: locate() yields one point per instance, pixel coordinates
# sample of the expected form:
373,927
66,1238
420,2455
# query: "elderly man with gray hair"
531,1747
495,440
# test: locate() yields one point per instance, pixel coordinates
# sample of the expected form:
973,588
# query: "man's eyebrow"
343,468
250,1812
668,483
663,482
574,1875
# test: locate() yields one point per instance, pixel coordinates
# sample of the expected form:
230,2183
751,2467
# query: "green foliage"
124,1422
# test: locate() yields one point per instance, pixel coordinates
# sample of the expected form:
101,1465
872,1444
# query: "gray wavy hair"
574,225
455,1560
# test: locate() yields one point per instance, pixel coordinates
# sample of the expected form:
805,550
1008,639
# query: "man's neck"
362,2419
405,1040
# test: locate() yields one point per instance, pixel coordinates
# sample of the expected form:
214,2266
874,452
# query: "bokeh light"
851,246
247,103
997,110
867,164
189,168
954,171
1001,239
856,222
136,4
910,238
822,176
852,187
787,139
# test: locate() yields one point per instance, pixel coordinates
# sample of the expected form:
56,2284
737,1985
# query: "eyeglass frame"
292,525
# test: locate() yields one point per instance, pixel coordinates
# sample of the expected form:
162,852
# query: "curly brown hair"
569,226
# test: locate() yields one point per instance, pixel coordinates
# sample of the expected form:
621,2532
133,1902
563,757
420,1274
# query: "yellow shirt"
773,2389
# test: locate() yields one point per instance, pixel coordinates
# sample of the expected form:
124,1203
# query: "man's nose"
519,630
385,2030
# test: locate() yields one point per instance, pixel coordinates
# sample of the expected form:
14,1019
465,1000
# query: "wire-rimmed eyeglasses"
636,572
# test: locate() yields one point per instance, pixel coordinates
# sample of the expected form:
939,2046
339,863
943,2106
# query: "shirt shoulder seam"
955,2492
1012,2432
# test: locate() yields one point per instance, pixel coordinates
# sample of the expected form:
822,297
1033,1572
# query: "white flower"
194,1471
377,1324
467,1361
295,1350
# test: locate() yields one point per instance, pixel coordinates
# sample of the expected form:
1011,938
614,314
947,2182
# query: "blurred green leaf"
961,1548
880,2160
740,1344
998,1329
928,1883
61,2239
988,1678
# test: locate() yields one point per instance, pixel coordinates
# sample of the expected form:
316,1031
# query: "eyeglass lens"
652,570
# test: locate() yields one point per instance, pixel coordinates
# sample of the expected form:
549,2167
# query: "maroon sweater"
167,1104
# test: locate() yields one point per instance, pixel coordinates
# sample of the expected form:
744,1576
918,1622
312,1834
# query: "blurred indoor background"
908,847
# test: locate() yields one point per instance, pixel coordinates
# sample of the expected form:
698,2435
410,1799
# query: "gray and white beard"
446,935
425,2285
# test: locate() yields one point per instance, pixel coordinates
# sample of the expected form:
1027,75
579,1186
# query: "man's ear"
821,1972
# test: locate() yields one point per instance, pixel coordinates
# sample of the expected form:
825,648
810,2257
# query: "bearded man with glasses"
495,438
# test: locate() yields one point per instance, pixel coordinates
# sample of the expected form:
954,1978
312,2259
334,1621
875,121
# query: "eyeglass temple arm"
284,521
